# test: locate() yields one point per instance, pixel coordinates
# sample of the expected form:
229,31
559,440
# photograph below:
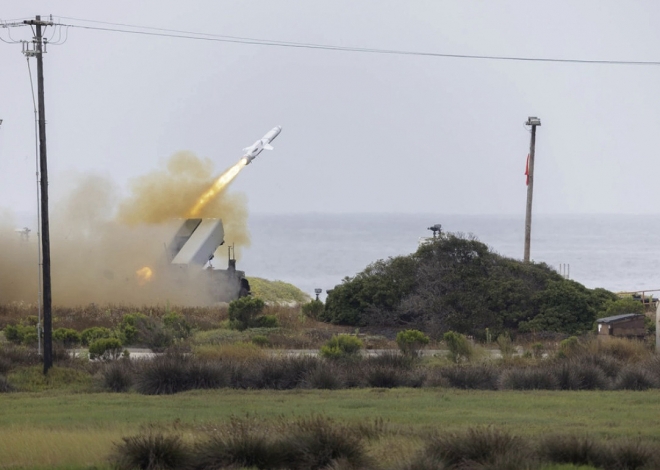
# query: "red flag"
527,171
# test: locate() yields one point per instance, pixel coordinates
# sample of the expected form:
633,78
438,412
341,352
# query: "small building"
628,325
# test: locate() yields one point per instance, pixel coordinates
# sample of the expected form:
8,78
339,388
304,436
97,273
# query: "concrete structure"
628,325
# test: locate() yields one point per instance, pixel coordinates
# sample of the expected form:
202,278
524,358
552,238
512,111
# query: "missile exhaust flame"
217,187
144,275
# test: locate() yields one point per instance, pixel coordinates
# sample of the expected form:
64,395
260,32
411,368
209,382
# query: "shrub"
243,311
318,442
67,336
325,377
279,373
341,346
174,373
478,445
137,328
635,378
529,379
89,335
105,348
411,342
151,452
177,324
5,387
118,376
21,334
266,321
384,377
390,359
506,345
313,309
569,346
631,454
580,375
260,340
12,356
537,350
243,445
459,346
571,449
482,377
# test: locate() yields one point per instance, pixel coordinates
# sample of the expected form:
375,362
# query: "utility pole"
39,50
531,121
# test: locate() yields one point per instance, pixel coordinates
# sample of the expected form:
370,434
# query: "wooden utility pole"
531,121
43,185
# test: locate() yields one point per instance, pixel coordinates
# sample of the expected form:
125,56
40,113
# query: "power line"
182,34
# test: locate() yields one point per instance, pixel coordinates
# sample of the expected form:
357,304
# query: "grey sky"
361,132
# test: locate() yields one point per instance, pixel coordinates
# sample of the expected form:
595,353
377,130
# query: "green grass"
32,379
79,429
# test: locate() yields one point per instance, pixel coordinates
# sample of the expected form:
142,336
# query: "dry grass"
31,447
234,352
109,316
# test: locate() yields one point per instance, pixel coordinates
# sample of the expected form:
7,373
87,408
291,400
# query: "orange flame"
217,187
144,275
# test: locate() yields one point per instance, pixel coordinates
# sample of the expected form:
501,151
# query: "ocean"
617,252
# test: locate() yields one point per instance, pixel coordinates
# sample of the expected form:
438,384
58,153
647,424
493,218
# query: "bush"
151,452
580,375
482,377
90,335
324,377
243,311
631,454
177,324
529,379
266,321
478,445
570,346
575,450
243,445
313,309
5,387
411,342
318,442
12,356
137,328
459,347
21,334
260,340
174,373
386,377
506,345
67,336
105,349
118,376
342,346
390,359
537,350
635,378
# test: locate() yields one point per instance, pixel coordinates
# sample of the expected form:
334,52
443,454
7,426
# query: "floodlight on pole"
318,292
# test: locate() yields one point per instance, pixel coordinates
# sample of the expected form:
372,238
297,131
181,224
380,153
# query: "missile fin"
268,147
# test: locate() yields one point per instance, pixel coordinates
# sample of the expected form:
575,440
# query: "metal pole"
657,329
533,121
45,229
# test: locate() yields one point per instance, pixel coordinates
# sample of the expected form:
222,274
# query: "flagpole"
531,121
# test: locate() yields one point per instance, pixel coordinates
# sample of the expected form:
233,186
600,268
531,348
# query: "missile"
260,145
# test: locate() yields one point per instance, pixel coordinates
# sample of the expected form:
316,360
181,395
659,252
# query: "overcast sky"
361,132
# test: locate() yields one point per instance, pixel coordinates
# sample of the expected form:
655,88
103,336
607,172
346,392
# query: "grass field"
78,430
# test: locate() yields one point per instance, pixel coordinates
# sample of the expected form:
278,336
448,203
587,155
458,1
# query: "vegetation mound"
457,283
277,291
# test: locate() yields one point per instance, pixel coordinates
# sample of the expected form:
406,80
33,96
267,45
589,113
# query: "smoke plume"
99,243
